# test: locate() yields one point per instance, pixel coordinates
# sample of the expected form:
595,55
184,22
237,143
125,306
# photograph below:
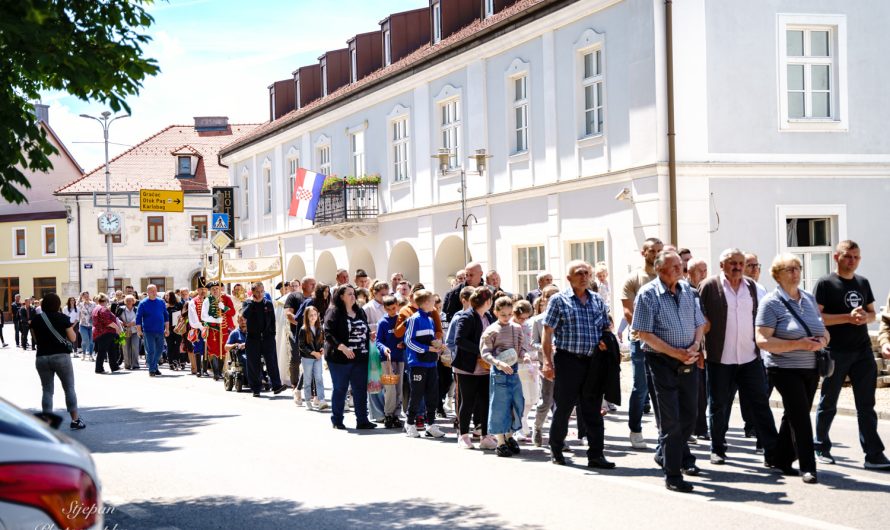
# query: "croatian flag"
307,190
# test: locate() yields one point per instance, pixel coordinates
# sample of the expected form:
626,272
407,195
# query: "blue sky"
218,57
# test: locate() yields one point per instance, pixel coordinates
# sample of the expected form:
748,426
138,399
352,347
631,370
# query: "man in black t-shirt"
847,306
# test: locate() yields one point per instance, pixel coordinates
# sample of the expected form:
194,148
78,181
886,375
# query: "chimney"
211,123
42,112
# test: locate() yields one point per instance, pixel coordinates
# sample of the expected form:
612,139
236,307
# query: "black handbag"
824,361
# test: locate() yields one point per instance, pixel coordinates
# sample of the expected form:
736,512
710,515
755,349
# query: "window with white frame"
267,186
324,159
49,240
449,112
529,263
811,239
437,22
520,113
592,252
592,91
399,139
20,242
324,79
357,147
245,194
489,8
812,71
293,162
353,65
387,45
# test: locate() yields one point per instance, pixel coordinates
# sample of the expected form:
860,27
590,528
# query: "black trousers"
580,381
262,347
751,383
105,350
24,330
797,388
677,396
472,401
15,331
423,387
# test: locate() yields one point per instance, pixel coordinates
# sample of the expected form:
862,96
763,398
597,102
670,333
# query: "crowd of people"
401,356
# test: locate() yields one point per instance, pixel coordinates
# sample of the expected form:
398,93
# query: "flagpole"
281,261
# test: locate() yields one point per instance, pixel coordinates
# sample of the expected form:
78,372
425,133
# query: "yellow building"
34,235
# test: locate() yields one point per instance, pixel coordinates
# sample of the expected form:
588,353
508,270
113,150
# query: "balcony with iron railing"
348,206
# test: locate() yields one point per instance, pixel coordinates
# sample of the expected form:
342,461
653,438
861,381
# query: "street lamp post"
444,159
106,123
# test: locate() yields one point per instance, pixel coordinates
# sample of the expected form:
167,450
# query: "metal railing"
346,203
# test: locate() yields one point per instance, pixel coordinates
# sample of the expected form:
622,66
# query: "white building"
153,247
779,139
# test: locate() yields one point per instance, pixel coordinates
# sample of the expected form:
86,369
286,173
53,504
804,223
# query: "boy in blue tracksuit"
388,346
423,353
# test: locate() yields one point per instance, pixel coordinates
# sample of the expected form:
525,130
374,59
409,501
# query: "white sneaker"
434,431
321,405
637,441
488,443
464,442
298,398
411,431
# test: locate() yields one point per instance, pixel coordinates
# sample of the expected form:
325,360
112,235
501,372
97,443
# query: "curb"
882,415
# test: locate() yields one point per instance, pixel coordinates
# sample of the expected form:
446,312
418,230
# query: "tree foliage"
91,49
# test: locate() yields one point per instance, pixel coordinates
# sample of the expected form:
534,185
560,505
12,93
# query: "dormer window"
353,65
186,160
489,8
184,163
324,78
437,22
387,48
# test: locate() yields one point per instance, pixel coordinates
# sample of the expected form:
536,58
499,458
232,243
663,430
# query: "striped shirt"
671,317
577,327
773,314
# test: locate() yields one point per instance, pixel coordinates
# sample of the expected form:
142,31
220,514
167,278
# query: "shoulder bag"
65,342
824,362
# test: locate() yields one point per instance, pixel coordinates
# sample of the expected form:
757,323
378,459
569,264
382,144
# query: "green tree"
91,49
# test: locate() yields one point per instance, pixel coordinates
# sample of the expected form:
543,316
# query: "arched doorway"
296,268
193,281
360,258
449,260
403,258
326,268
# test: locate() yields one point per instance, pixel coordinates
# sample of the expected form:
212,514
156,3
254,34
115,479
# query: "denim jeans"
312,369
344,376
154,347
640,387
505,401
49,366
677,396
376,406
751,383
86,339
861,368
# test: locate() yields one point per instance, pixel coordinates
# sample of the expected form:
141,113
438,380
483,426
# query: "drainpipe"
79,264
672,155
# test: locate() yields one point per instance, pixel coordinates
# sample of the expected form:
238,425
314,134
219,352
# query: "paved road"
180,452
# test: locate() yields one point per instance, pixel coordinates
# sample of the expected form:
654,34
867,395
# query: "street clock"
110,223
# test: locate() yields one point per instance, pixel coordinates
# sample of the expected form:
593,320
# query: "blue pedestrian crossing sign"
220,221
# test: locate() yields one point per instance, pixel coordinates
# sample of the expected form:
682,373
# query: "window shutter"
143,285
168,283
103,286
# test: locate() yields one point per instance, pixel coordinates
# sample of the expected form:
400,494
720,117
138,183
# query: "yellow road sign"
161,201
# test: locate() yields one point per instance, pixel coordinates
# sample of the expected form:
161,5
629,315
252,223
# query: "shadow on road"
128,430
259,514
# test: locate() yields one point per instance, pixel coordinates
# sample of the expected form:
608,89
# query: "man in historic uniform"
196,333
218,316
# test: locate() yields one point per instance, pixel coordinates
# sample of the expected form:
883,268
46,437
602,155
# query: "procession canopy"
246,270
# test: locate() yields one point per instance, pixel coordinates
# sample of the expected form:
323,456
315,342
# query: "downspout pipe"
79,255
671,133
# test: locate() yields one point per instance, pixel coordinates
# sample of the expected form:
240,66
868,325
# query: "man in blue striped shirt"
670,323
577,317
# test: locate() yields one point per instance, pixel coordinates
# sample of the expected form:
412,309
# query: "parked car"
47,480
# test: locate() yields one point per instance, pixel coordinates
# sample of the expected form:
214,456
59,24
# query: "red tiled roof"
412,60
151,164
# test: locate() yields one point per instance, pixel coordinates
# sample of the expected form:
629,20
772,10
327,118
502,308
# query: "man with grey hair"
451,304
729,302
544,279
670,324
153,325
697,270
574,322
